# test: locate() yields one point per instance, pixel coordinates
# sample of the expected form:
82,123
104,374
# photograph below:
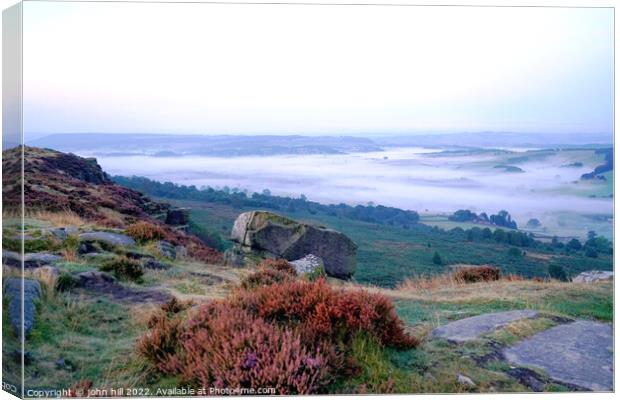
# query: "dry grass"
58,219
70,255
113,217
505,289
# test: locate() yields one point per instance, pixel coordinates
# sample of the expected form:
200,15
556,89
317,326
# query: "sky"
282,69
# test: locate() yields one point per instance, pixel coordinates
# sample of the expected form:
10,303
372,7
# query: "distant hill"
196,145
496,139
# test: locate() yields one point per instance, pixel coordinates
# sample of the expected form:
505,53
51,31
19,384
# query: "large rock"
13,293
108,238
280,237
594,276
177,216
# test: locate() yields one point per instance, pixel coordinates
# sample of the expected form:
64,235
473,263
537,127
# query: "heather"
291,334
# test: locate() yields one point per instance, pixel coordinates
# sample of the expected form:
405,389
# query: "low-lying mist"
428,181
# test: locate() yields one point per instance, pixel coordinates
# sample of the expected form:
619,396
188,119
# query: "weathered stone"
465,380
284,238
31,260
166,249
594,276
177,216
31,293
308,264
108,238
152,263
91,278
235,256
137,255
180,251
63,233
578,354
472,328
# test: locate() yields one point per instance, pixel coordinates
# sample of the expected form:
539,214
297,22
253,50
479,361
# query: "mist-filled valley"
545,184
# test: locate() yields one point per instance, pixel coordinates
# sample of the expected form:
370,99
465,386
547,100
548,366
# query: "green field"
388,254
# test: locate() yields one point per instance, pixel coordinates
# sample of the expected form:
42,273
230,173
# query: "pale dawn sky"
281,69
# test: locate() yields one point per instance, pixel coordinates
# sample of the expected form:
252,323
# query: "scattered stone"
235,257
31,260
105,285
181,251
177,216
471,328
166,249
594,276
137,255
579,354
274,236
151,263
31,293
465,380
92,278
11,258
308,264
108,238
60,363
63,233
89,248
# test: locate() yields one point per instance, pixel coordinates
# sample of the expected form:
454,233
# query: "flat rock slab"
472,328
579,354
113,239
31,260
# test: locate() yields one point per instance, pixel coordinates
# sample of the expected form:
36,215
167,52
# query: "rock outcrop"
308,265
264,234
594,276
108,238
31,260
13,293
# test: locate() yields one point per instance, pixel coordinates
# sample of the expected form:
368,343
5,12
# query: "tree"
574,244
591,252
437,259
558,272
533,223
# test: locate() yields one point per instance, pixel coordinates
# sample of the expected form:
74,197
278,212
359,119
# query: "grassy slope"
96,336
388,254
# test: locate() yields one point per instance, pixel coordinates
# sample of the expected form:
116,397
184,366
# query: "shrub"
143,231
200,252
326,313
278,265
268,273
483,273
66,282
558,272
123,268
437,259
229,347
294,336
